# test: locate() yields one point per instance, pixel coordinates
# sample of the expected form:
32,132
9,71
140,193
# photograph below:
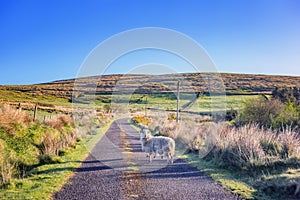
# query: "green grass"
137,102
42,182
206,103
217,103
11,95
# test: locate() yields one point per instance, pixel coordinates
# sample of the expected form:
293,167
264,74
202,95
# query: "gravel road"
117,169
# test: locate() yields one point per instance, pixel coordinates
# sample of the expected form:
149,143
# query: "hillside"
190,82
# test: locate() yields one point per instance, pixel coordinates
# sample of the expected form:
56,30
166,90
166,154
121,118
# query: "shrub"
249,146
107,108
290,116
270,147
171,116
7,164
260,111
290,141
59,122
10,116
50,143
68,138
189,136
19,153
270,114
143,120
25,144
291,95
169,129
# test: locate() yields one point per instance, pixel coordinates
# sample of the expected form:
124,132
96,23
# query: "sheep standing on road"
164,146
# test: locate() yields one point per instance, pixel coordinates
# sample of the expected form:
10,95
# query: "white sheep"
164,146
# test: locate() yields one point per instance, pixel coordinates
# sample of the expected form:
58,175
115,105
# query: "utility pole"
177,106
145,107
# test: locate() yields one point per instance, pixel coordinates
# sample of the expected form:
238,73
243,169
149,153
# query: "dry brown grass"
50,143
234,83
58,122
243,147
250,146
9,117
60,137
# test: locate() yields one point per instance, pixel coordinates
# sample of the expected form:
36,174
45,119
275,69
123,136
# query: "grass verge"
226,178
265,185
42,182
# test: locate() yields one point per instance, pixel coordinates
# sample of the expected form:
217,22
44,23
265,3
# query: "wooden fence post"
19,107
35,112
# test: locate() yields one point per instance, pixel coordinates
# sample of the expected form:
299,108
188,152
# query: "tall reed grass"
246,146
249,146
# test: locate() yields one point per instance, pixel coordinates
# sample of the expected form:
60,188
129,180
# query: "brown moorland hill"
189,82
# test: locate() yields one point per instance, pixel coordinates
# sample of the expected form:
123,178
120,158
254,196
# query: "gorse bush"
291,95
270,113
260,111
142,120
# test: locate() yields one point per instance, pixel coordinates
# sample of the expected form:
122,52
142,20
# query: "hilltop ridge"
190,82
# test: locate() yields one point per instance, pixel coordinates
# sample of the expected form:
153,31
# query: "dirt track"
119,170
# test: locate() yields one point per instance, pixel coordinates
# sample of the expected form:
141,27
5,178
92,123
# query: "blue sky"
47,40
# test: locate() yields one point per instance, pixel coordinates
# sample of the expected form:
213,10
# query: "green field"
12,95
135,102
206,103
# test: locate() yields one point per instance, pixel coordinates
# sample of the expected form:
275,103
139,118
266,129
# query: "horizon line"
111,74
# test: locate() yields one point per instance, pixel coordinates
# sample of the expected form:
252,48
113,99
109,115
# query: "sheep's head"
145,134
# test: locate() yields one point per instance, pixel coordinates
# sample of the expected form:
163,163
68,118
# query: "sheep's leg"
157,153
170,158
150,158
161,152
156,150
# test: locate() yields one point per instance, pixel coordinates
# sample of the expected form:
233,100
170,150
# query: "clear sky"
47,40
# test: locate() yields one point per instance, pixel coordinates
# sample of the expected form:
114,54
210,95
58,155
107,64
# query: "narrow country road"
117,169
